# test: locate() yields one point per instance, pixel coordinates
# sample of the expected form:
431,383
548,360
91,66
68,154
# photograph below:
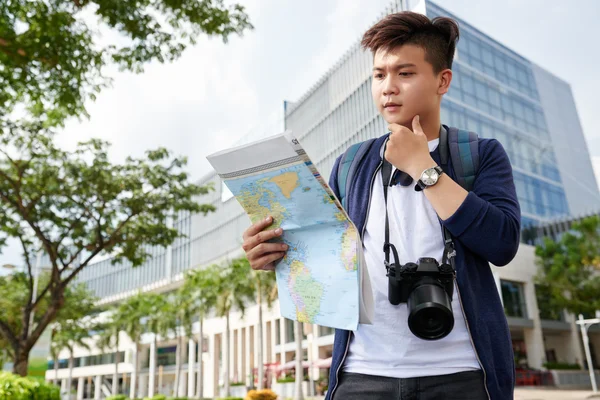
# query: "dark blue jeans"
460,386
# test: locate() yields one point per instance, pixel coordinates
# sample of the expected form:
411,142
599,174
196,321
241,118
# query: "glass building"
495,92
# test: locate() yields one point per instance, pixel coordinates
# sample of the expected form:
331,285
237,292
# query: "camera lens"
430,312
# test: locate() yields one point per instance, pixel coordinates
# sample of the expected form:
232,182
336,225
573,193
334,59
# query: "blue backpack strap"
349,165
463,147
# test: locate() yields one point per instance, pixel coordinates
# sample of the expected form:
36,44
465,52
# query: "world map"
317,279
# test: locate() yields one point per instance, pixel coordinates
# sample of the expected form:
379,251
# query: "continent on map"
349,244
287,182
251,197
306,292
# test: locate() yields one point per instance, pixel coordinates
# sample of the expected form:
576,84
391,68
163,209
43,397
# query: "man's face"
404,85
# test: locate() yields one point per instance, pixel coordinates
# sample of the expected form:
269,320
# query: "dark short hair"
438,36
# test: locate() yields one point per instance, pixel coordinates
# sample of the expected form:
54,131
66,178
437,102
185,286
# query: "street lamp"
584,325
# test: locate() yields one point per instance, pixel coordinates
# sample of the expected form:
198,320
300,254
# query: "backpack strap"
463,147
348,166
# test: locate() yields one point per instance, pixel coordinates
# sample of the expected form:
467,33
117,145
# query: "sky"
217,93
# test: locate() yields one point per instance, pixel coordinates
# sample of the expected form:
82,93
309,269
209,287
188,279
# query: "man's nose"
390,87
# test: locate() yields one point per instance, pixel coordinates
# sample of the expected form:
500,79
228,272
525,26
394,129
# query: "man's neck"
431,127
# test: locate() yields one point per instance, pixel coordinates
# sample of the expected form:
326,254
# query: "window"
514,299
325,331
290,334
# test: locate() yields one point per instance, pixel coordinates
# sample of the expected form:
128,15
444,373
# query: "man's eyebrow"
395,67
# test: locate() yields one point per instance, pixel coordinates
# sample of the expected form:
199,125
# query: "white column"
97,387
231,355
191,362
80,384
265,341
152,371
240,376
211,372
248,377
63,386
274,327
282,329
575,349
534,339
142,386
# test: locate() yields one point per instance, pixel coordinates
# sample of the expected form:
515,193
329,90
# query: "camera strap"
449,250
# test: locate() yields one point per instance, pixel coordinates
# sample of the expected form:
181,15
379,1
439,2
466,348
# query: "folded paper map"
323,277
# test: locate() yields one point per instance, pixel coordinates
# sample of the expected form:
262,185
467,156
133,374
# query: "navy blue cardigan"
486,229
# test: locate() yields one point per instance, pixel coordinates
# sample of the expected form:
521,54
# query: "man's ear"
444,79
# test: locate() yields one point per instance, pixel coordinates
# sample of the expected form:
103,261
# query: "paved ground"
549,394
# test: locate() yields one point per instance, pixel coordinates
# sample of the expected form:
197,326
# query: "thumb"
416,124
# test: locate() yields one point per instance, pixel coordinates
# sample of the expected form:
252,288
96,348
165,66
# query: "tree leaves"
54,53
569,268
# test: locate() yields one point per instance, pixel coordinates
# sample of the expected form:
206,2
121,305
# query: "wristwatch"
429,177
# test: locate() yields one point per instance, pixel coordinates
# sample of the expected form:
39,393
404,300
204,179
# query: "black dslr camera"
427,288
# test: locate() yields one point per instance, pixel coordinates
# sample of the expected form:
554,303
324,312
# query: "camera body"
404,278
427,288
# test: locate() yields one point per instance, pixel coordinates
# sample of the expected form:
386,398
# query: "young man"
412,60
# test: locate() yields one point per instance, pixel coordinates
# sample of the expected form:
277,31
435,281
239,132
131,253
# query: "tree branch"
98,250
9,335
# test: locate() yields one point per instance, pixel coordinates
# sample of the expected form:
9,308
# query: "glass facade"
494,93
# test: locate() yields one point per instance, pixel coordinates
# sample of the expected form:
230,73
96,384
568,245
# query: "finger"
269,267
416,124
394,127
261,237
266,248
265,260
257,227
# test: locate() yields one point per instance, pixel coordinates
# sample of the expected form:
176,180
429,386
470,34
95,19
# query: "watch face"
430,177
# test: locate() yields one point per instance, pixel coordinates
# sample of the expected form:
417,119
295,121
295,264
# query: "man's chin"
398,120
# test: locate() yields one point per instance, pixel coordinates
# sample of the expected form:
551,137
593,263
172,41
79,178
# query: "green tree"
236,290
54,57
569,268
108,340
201,289
15,295
68,334
266,293
75,205
158,324
131,315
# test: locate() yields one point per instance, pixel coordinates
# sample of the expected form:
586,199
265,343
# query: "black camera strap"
449,250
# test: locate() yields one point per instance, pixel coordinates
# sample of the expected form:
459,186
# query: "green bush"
117,397
286,379
561,365
14,387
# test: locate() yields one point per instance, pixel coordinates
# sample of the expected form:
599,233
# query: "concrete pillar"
212,372
142,387
191,385
248,377
232,358
182,384
152,370
534,339
80,384
240,358
63,385
98,387
266,349
274,328
575,352
282,330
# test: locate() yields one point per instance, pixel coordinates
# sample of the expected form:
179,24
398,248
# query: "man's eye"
406,73
378,76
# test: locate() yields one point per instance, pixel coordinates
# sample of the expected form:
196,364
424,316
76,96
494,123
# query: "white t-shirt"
388,347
